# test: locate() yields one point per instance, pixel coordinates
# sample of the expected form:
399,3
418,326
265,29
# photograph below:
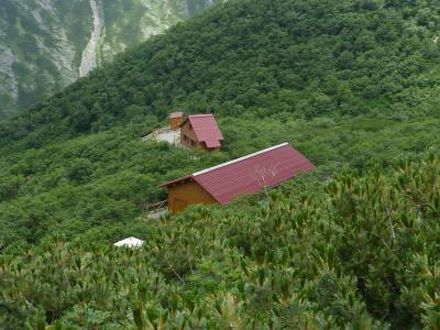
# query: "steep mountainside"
47,44
353,85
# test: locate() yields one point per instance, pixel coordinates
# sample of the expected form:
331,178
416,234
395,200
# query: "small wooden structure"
175,119
201,131
243,176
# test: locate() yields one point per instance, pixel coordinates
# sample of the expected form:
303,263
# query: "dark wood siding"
188,137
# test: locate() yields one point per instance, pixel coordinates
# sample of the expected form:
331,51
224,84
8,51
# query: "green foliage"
102,180
359,252
351,84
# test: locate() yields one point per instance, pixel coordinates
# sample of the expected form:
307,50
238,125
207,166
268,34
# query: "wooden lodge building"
201,131
243,176
175,119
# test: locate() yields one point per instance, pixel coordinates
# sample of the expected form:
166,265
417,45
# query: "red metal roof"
250,174
206,129
176,115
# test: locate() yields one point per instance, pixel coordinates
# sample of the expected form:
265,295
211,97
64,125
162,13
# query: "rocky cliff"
47,44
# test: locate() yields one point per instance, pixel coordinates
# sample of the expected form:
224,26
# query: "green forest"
351,84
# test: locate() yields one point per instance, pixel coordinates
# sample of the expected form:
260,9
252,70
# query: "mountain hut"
243,176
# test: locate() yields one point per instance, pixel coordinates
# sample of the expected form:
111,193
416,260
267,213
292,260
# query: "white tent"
130,242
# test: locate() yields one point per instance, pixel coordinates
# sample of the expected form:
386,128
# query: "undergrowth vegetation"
353,85
357,252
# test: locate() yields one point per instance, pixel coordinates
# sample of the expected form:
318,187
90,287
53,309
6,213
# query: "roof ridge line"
238,159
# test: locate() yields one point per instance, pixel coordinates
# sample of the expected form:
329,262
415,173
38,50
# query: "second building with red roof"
201,131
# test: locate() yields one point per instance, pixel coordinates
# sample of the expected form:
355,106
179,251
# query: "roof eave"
176,181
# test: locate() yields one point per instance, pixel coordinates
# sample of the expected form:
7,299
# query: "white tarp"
130,242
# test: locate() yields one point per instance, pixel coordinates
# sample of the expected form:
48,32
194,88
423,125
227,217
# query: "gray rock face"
46,45
8,81
90,53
